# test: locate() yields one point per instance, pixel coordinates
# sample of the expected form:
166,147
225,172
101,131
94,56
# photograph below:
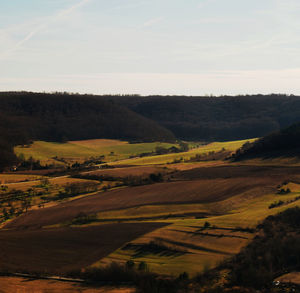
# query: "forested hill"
217,118
282,143
28,116
59,117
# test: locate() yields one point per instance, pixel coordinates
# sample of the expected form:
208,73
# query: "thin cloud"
152,21
48,21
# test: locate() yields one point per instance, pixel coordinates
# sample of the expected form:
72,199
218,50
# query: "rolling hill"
60,117
217,118
284,143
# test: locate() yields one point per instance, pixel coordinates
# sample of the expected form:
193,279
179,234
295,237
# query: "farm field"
15,178
79,151
230,205
202,149
177,192
55,251
24,285
199,214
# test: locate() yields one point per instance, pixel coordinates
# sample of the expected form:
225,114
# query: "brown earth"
239,171
23,285
55,251
196,191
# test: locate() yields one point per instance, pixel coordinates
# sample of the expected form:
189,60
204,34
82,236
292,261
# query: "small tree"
206,225
5,214
142,266
130,264
12,211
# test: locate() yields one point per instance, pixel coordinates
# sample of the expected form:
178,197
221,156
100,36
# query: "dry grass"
14,178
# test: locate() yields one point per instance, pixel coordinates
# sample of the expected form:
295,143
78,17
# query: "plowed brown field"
22,285
196,191
55,251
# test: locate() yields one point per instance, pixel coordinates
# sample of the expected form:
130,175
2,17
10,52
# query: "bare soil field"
56,251
238,171
23,285
196,191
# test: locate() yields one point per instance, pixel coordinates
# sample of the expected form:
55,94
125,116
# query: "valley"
190,219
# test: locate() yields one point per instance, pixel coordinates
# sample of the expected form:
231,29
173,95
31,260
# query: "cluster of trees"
218,155
142,180
134,274
275,251
76,188
281,202
30,164
15,202
125,181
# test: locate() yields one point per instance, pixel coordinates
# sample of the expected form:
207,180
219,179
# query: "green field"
78,151
202,149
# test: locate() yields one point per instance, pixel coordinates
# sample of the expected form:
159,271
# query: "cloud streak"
46,22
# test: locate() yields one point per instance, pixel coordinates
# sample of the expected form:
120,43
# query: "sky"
167,47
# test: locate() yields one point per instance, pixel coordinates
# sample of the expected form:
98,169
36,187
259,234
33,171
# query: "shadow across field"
153,248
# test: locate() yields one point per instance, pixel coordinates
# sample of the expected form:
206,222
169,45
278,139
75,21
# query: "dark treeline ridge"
26,116
217,118
281,143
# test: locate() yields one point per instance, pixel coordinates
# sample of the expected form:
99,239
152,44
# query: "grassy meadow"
79,151
197,149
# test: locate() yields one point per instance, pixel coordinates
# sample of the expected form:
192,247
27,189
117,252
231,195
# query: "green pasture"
202,149
116,150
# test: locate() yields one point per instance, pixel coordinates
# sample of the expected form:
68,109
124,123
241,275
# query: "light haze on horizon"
191,47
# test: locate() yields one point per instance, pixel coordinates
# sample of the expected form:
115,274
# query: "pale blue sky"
192,47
